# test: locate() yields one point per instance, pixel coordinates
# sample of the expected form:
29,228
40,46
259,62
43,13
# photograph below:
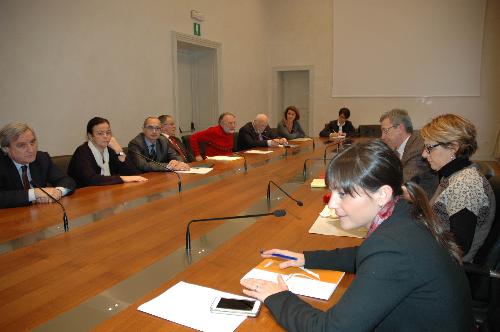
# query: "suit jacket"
248,137
84,169
415,167
43,173
189,156
333,126
405,281
297,131
163,154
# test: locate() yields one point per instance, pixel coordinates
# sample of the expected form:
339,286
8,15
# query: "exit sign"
196,29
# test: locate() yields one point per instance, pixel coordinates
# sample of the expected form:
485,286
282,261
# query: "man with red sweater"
218,140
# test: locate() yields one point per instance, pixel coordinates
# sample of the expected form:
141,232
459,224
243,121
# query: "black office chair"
484,275
62,162
370,131
186,140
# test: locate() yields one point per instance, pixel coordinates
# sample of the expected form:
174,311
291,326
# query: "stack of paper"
196,170
329,224
318,183
259,151
189,305
315,283
226,158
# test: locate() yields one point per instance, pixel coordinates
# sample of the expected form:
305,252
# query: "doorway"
196,83
293,88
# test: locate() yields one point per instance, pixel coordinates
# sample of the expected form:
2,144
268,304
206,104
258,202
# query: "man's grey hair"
12,131
398,116
164,118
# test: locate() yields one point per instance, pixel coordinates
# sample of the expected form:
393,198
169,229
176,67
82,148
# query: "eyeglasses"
104,133
386,130
430,147
153,128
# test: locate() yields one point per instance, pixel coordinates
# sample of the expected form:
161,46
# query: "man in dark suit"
258,134
398,133
24,169
168,130
151,144
339,126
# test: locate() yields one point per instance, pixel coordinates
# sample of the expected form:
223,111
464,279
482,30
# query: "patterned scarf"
382,215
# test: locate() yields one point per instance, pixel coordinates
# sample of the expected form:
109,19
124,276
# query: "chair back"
186,140
62,162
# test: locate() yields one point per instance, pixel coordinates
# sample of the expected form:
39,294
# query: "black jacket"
248,137
333,126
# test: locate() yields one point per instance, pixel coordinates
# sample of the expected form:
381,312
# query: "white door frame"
197,41
276,94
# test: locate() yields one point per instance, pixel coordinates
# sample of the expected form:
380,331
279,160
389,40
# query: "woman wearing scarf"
101,160
408,270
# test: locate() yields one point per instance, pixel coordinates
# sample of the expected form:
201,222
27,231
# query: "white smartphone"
244,307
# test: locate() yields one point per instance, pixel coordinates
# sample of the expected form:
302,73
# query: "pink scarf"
382,215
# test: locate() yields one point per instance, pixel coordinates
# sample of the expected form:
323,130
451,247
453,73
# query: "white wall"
63,62
301,35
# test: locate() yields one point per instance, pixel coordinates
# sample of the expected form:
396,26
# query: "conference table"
126,243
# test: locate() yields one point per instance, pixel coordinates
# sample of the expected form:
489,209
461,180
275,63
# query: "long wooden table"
42,281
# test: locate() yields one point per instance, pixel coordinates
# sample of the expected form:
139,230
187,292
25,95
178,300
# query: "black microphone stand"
244,160
304,169
179,183
277,213
65,216
299,203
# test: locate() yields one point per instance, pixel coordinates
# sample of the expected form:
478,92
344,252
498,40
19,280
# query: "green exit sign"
197,29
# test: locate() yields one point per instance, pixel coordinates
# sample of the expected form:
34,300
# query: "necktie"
26,182
152,152
177,148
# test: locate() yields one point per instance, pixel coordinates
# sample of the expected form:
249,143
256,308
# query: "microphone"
179,183
276,213
299,203
244,160
327,146
304,169
65,216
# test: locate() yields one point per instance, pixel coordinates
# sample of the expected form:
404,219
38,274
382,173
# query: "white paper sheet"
331,226
197,170
318,183
258,151
189,305
226,158
304,139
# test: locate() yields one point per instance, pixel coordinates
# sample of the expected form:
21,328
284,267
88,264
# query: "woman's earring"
452,157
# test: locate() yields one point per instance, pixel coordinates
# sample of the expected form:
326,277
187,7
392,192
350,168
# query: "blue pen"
282,256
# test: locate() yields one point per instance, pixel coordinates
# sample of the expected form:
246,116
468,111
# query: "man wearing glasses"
150,150
398,133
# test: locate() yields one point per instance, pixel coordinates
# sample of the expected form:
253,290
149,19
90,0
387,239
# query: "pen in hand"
281,256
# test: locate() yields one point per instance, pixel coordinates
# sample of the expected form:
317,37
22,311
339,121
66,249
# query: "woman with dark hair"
339,127
289,127
464,201
101,160
408,269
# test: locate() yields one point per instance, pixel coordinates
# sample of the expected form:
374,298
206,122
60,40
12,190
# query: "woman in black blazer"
339,126
408,270
101,160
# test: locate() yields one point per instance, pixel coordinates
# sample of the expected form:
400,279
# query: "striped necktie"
26,182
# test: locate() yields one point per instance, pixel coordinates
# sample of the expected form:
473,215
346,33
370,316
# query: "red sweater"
217,142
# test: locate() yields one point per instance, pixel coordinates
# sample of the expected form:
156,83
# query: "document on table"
328,223
258,151
318,183
189,305
315,283
226,158
304,139
197,170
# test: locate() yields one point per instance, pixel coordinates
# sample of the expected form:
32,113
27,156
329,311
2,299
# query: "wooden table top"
43,280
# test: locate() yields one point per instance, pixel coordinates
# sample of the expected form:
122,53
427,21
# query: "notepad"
318,183
299,281
189,305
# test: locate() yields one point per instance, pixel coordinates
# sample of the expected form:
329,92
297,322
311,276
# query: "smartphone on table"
244,307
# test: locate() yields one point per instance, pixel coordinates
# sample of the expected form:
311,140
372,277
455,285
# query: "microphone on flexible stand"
162,165
299,203
314,145
244,160
65,216
327,146
304,170
277,213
